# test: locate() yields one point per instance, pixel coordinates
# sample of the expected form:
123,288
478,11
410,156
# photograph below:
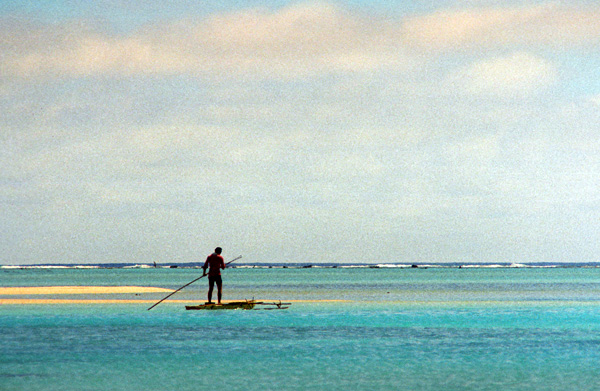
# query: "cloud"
594,100
297,40
519,74
546,25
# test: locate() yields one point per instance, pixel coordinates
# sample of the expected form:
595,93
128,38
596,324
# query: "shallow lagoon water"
396,329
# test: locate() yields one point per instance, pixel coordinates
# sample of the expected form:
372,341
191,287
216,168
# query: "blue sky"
456,131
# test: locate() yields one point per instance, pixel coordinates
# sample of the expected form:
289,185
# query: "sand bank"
139,301
83,301
77,290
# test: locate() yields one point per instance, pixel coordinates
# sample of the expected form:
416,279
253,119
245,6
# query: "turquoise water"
401,329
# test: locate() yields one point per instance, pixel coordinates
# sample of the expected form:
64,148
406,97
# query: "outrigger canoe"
239,305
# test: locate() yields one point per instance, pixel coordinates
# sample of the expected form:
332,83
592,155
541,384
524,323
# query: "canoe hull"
236,305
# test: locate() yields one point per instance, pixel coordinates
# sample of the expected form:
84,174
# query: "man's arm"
204,267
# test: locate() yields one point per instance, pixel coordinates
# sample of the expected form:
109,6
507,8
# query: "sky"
313,131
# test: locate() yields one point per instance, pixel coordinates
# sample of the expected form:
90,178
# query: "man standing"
216,262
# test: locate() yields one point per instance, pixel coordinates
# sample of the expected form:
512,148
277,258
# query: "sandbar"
77,290
99,290
22,301
83,301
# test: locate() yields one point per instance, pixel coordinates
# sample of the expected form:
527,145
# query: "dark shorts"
213,279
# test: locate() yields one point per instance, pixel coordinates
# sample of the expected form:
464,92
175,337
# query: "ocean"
349,327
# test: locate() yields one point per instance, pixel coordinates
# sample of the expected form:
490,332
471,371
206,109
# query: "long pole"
189,283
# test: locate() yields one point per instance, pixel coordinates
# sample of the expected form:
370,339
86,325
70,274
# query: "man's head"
218,250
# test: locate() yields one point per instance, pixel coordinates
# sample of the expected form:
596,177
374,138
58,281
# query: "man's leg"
211,285
219,289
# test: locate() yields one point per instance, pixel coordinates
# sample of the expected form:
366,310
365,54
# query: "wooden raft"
240,305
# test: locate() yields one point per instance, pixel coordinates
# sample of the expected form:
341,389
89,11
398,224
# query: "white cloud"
519,74
595,99
481,149
548,25
294,41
